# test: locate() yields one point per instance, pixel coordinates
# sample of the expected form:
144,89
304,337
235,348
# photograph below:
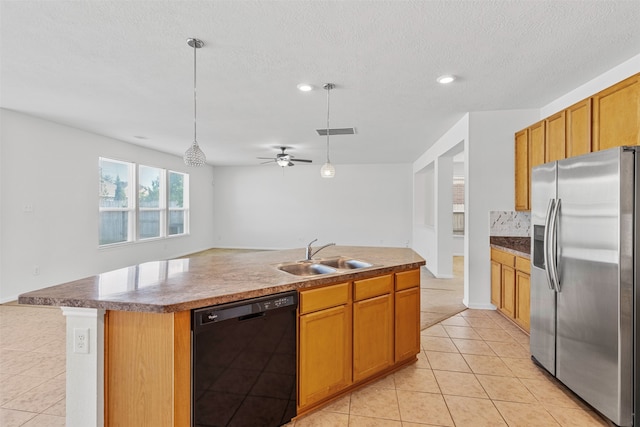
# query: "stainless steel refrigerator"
583,276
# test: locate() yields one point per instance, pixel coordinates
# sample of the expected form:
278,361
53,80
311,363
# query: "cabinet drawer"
523,264
319,299
407,279
503,257
373,287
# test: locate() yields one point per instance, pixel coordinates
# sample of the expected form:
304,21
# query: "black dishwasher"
244,362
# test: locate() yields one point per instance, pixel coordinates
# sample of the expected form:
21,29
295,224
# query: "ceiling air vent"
336,131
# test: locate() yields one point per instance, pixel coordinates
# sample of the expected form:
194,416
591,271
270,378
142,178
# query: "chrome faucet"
309,253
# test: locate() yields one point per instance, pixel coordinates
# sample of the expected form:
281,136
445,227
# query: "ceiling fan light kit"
194,156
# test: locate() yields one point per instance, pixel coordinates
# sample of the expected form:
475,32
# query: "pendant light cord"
328,91
195,47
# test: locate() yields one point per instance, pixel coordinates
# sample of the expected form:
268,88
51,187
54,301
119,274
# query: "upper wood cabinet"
536,144
616,115
579,128
555,137
522,170
610,118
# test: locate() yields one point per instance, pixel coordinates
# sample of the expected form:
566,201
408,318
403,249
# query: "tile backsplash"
509,223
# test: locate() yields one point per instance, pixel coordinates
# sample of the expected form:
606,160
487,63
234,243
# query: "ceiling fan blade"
266,158
301,160
291,164
270,161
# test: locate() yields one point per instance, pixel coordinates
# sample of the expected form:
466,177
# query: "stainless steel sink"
344,263
306,268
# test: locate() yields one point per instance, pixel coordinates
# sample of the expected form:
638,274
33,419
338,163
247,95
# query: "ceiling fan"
283,159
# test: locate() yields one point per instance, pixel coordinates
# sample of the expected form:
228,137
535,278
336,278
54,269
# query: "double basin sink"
322,266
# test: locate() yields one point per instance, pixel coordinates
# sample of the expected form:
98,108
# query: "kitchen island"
134,368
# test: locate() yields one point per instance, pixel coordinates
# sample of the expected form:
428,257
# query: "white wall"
489,185
424,236
264,207
593,86
489,169
54,168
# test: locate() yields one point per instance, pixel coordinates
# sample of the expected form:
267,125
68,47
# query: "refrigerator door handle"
545,244
553,263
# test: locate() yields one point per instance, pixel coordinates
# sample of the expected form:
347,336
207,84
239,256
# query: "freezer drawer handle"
545,244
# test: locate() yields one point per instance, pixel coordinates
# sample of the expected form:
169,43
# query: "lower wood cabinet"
407,315
350,333
325,342
372,326
510,286
147,369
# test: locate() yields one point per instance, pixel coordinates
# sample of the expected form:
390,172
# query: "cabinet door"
555,137
324,354
508,305
522,170
372,336
579,128
523,298
407,323
496,283
536,144
616,115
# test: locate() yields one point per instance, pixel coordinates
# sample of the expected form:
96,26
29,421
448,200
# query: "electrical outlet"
81,340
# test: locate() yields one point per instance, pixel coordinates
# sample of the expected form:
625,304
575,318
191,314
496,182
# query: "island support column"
85,367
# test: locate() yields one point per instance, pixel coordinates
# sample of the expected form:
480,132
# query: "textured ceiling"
123,68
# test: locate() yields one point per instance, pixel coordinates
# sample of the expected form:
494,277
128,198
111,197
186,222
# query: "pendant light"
327,170
194,155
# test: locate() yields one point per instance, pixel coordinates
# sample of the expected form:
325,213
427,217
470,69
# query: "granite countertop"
520,246
188,283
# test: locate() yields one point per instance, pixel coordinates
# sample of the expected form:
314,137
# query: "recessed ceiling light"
446,79
305,87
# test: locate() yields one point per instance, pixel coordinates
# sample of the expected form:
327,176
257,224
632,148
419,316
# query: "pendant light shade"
327,170
194,156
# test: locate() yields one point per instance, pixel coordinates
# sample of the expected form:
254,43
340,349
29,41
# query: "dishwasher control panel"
244,309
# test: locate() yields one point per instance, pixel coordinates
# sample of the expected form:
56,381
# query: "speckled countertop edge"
520,246
189,283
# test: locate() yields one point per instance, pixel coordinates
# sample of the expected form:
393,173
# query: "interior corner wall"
49,205
424,236
267,207
489,185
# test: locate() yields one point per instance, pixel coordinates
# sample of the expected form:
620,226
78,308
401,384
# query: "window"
139,202
117,207
458,205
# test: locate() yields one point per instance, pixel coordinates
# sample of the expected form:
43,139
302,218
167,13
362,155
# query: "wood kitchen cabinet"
537,144
579,128
147,369
510,286
372,326
325,342
353,332
555,137
407,315
610,118
616,115
522,170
